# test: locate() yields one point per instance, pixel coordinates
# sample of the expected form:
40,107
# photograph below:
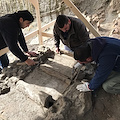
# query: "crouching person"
105,51
11,26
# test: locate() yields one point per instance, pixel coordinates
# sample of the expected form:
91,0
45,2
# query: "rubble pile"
21,70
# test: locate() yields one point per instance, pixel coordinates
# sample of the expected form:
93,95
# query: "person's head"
63,23
25,18
83,53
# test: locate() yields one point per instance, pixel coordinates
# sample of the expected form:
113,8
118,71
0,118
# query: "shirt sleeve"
56,37
22,42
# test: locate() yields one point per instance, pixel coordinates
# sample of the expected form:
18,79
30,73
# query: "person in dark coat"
71,31
11,26
105,51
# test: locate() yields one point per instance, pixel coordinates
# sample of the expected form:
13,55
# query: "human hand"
30,62
83,87
57,50
31,54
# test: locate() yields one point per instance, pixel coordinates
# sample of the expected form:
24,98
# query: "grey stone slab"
16,106
62,63
46,83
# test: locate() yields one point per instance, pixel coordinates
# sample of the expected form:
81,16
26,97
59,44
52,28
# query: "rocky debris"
73,105
21,70
116,26
41,87
17,70
83,72
4,88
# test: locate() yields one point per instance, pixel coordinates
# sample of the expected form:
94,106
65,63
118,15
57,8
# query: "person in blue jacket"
105,51
11,26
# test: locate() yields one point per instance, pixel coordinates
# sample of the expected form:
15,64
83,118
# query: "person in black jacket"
11,26
71,31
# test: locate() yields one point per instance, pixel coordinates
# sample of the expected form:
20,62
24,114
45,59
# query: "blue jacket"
106,53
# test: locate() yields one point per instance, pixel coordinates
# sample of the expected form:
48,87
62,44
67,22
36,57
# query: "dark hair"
61,20
26,15
82,52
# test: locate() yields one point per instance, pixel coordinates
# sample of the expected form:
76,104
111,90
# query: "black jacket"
11,34
77,34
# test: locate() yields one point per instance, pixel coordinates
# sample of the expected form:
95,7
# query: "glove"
83,87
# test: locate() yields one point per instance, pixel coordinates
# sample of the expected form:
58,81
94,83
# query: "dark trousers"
4,61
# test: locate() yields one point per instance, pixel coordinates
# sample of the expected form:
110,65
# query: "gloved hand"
83,87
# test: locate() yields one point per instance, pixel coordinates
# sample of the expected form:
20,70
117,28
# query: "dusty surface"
25,89
44,92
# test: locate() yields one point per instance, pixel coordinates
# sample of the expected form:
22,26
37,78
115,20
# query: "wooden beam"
48,25
47,34
81,17
36,5
30,35
3,51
